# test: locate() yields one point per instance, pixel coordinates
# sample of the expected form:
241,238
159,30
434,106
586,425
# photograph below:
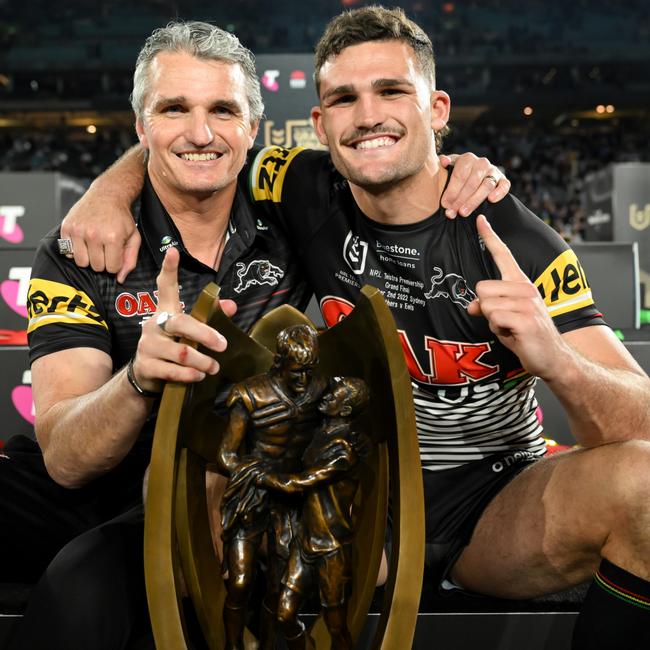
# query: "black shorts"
454,501
38,516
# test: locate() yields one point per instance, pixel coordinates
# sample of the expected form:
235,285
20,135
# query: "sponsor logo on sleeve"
51,302
563,285
269,171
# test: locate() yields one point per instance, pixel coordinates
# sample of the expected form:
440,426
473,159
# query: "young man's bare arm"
603,390
104,235
101,225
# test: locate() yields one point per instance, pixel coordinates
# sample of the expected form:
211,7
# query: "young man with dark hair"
482,310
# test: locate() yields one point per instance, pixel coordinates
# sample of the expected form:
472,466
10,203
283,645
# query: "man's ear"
440,109
317,121
255,127
142,136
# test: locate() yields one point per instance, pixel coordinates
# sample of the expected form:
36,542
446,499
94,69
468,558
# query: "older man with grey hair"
101,351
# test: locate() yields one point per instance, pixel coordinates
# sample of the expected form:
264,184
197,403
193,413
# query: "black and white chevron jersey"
72,307
472,397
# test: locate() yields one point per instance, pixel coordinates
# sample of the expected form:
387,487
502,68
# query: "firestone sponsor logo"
396,249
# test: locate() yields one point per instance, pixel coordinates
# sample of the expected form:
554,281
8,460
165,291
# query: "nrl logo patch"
451,286
257,272
355,251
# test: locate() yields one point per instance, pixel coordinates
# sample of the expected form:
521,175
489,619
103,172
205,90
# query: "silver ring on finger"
65,246
492,178
162,319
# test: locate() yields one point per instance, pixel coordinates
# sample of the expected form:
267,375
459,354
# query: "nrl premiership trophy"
319,430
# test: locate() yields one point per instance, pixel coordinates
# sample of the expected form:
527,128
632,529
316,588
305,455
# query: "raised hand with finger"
515,310
164,350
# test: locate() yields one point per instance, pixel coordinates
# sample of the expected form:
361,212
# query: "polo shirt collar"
159,231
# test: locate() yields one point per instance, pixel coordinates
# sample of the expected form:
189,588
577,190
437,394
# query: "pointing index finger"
167,281
501,254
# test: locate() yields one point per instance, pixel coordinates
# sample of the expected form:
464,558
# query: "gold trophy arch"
177,543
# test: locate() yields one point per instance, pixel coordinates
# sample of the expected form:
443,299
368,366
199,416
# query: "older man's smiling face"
195,123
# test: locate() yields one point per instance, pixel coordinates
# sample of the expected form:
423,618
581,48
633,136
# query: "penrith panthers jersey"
472,397
71,307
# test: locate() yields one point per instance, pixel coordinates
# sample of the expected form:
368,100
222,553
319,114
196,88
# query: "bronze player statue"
272,419
320,554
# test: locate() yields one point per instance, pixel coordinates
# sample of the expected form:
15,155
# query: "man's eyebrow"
386,83
230,104
346,89
163,102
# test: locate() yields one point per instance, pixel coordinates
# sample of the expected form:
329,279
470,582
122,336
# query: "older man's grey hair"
204,41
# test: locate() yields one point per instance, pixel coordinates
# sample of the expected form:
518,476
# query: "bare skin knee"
628,544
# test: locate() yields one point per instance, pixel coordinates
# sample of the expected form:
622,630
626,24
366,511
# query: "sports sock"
615,614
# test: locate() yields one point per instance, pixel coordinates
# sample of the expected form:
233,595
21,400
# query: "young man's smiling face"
377,111
196,124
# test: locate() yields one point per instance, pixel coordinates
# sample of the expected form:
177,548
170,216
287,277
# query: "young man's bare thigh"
549,527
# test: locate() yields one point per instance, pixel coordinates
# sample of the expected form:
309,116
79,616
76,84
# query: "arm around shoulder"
101,225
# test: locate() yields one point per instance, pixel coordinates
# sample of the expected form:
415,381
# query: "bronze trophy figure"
293,462
272,419
320,554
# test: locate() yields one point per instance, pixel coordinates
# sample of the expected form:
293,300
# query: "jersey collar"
160,233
